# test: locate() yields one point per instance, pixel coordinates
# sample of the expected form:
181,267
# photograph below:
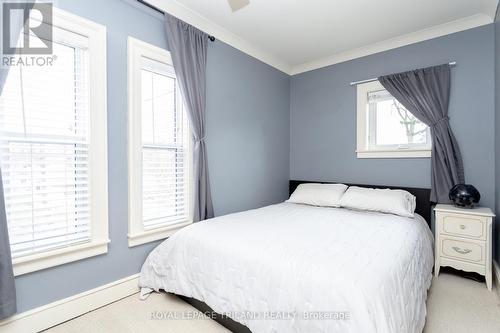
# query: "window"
53,150
386,129
159,147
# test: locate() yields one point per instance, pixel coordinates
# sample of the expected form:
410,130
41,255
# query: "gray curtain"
8,304
7,285
426,93
188,47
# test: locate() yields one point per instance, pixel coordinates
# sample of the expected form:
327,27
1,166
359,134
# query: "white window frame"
137,234
363,149
98,162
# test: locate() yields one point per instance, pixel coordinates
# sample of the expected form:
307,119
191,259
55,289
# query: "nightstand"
464,239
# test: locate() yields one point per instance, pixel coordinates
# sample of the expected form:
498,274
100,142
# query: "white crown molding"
195,19
188,15
58,312
411,38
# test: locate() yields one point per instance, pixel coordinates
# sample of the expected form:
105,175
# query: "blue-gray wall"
323,114
248,131
248,144
264,127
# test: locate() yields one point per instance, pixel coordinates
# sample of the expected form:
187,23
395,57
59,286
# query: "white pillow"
398,202
324,195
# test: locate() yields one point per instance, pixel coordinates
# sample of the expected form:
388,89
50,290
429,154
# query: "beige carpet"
454,305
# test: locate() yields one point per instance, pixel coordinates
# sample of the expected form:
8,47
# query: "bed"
297,268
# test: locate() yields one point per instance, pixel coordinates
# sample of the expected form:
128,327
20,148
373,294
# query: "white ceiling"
296,36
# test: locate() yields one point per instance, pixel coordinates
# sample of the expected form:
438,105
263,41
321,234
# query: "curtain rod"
156,9
355,83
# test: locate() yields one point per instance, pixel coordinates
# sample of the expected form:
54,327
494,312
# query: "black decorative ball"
464,195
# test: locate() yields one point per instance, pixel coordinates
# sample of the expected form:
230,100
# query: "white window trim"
98,161
362,150
137,235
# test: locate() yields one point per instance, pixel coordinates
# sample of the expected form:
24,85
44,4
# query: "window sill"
35,262
406,153
139,238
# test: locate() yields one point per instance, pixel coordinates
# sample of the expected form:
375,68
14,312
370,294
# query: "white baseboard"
496,277
60,311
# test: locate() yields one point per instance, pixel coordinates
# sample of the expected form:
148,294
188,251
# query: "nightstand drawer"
474,252
464,240
464,226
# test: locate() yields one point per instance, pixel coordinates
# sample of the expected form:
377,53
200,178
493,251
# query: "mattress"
297,268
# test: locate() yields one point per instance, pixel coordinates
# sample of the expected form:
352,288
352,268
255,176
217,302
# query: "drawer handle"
459,250
462,226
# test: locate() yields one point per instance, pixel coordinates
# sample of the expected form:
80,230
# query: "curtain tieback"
200,139
444,119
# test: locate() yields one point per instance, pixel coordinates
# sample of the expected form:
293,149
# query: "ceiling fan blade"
237,4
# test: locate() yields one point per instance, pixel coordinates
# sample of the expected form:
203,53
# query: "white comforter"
274,268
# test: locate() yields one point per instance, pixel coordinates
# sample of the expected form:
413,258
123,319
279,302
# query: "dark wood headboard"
423,195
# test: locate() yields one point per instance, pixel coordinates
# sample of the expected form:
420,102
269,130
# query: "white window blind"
44,150
165,140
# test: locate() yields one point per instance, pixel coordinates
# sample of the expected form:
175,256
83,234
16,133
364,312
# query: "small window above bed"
159,146
385,128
